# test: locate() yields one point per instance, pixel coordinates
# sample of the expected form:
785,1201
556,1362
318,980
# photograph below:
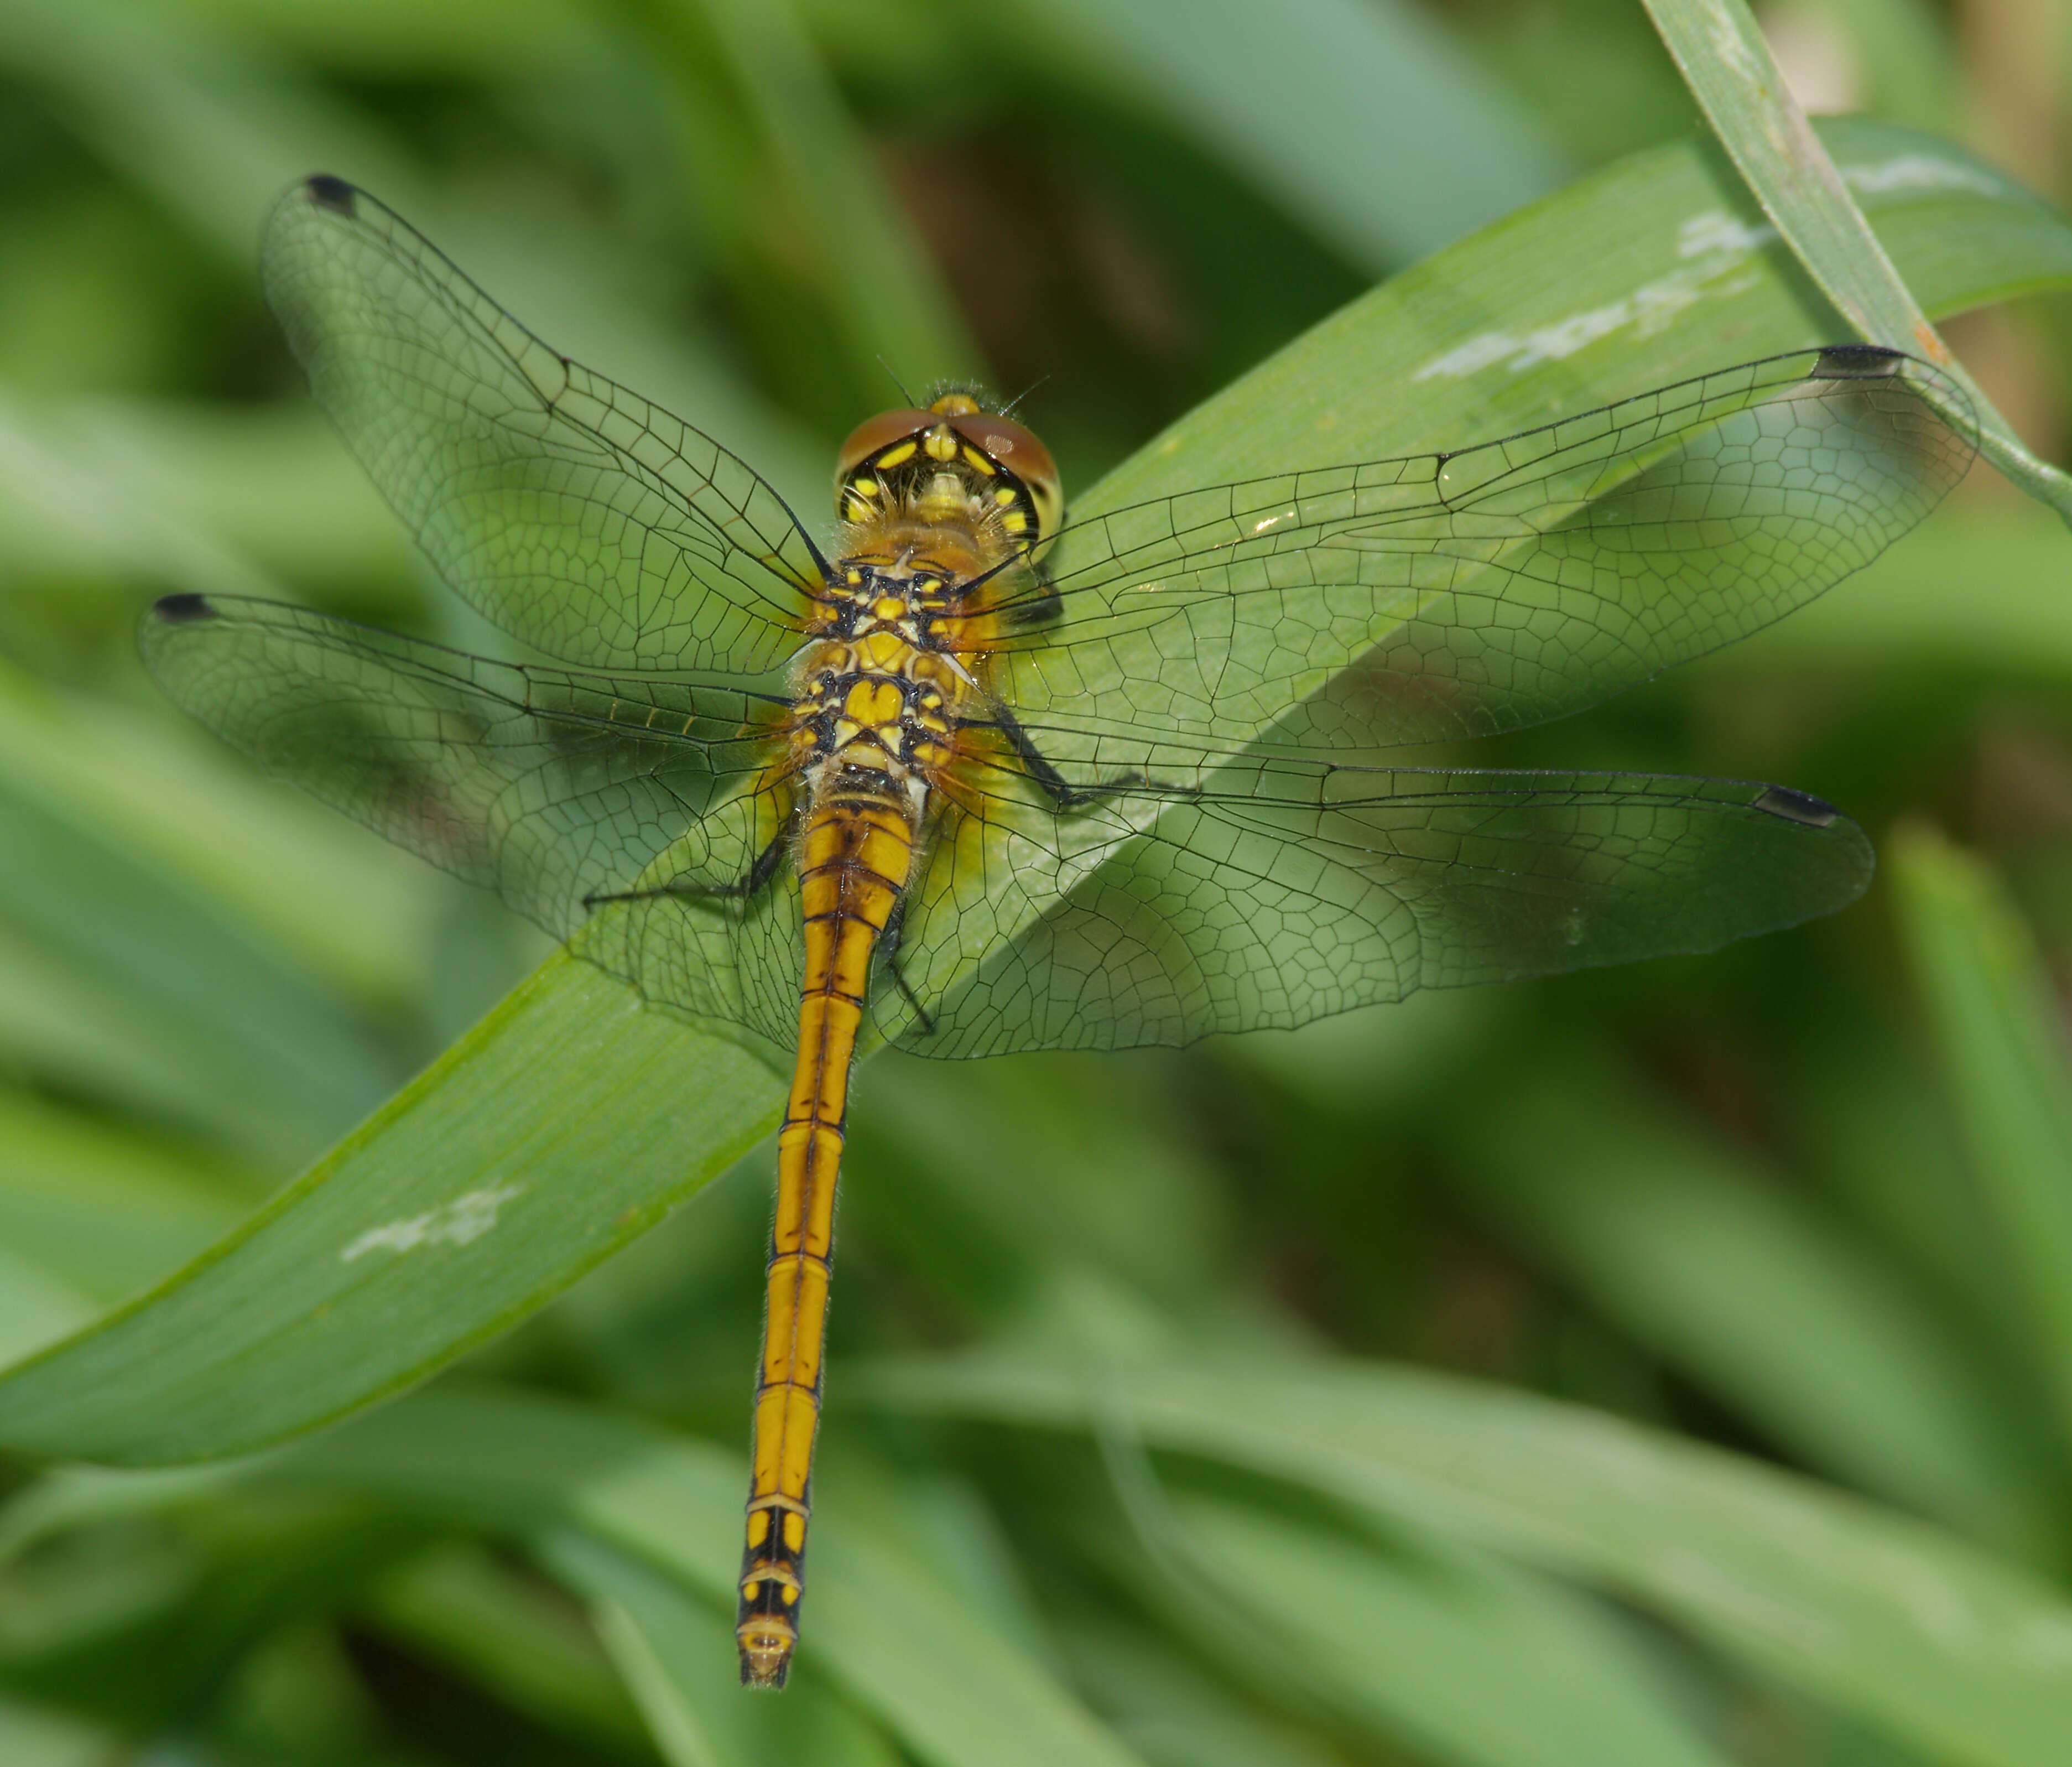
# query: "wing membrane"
1280,892
1459,594
573,514
562,792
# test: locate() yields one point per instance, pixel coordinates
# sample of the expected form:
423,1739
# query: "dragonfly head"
953,451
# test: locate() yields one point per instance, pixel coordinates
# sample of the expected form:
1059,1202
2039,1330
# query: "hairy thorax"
895,662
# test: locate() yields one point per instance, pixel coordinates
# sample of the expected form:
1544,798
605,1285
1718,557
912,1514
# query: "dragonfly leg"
752,882
888,950
1065,795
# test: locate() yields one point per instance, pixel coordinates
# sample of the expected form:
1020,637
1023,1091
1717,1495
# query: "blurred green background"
1808,1200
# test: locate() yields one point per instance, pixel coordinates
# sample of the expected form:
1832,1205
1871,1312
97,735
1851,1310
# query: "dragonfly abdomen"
855,855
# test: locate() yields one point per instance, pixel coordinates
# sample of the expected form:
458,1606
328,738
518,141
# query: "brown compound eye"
874,435
1016,450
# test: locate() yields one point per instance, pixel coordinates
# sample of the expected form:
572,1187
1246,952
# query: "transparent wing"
566,793
1241,892
1459,594
575,515
1269,893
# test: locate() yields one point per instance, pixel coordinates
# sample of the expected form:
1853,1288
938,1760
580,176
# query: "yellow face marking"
978,462
942,443
892,457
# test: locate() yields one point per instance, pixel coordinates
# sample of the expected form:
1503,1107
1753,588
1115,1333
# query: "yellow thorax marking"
875,703
885,652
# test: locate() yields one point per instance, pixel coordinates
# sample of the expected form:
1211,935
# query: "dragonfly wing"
1461,595
1284,891
569,794
574,514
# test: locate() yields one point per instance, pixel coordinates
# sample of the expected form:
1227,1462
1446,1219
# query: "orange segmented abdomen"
854,860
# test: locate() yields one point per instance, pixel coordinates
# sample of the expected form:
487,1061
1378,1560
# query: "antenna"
895,380
1008,409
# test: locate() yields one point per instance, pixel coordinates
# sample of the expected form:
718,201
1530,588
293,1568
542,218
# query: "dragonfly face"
973,778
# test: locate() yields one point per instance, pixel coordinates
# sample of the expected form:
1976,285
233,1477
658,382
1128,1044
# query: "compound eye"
873,436
1016,450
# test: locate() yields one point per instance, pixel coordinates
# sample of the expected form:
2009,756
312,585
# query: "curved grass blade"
1929,1639
899,1640
1999,1034
1409,1641
1722,54
1655,269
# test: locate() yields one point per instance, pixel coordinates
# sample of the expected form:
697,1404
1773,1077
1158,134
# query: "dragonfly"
968,777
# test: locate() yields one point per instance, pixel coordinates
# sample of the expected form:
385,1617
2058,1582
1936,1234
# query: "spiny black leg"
1065,795
754,884
888,951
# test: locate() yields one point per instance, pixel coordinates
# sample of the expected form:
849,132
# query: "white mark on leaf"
1717,231
1920,171
460,1222
1712,245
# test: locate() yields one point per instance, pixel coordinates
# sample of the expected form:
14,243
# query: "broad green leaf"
1731,72
1307,98
1929,1639
596,1103
883,1624
1717,1269
1655,267
1998,1031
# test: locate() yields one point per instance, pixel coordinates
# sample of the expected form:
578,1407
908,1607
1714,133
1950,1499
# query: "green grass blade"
510,1634
899,1640
1729,68
1308,98
2000,1035
676,1654
1724,1273
1940,1646
1652,269
1411,1641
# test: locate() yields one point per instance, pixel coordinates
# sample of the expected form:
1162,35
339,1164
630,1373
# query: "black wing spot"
1856,362
327,191
1780,800
182,610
